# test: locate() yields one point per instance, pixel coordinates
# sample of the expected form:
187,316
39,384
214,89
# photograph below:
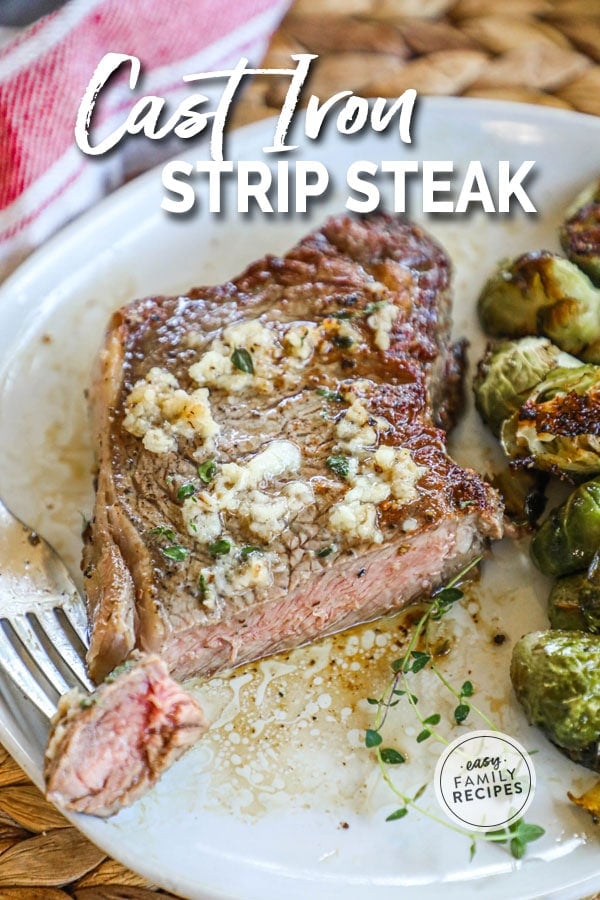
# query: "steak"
105,750
272,467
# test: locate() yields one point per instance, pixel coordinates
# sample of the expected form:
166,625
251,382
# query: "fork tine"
42,625
23,629
58,644
17,670
74,611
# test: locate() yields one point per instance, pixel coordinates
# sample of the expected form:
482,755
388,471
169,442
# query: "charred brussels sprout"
513,296
557,429
508,373
569,538
542,293
580,233
556,677
523,494
574,603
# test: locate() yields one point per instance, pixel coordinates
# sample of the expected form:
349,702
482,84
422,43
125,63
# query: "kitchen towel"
45,180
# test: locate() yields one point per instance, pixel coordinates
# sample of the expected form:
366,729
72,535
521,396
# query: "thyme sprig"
519,833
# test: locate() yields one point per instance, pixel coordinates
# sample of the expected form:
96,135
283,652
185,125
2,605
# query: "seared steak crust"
374,295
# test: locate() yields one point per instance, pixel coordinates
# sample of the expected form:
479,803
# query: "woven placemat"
532,51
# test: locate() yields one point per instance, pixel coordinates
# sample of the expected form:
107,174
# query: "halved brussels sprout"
589,800
556,677
542,293
580,233
574,604
522,491
570,537
508,373
557,429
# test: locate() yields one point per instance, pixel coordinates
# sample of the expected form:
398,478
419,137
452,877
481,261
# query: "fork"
43,628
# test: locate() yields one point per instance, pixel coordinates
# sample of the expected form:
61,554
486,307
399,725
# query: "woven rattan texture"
531,51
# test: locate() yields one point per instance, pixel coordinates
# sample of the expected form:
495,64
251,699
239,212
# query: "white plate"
258,809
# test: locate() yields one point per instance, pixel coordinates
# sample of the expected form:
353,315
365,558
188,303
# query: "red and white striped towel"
45,180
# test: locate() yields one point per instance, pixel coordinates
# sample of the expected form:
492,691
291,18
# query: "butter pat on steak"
272,464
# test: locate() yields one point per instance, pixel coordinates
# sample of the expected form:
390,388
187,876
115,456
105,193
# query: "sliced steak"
271,467
105,750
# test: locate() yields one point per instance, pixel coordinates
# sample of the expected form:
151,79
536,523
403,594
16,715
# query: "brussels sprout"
508,373
556,677
522,491
590,801
574,604
558,427
569,538
580,233
542,293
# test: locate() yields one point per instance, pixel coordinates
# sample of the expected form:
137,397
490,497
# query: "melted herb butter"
245,354
158,411
381,321
372,475
260,510
243,490
235,570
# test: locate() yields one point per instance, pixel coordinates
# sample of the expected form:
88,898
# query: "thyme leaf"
163,531
325,551
520,833
220,547
343,341
186,490
250,548
242,360
175,552
207,471
334,396
340,465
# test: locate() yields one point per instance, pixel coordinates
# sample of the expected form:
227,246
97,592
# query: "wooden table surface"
532,51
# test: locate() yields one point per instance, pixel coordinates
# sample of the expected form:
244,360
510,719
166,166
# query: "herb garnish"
207,470
175,552
186,490
325,551
246,551
203,586
242,360
220,547
163,532
334,396
343,341
374,306
119,670
340,465
520,833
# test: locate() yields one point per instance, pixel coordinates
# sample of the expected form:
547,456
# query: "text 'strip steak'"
271,464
